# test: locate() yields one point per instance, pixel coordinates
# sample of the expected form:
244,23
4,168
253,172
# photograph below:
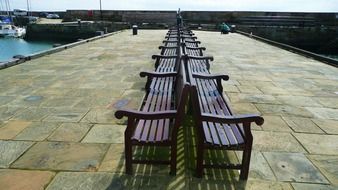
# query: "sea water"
10,47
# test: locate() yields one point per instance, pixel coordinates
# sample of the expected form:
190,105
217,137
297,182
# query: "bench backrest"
181,95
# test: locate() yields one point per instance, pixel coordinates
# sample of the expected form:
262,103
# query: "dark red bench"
216,125
158,120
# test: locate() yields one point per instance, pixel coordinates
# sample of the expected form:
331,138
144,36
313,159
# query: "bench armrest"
163,56
145,115
233,119
157,74
171,36
168,41
210,76
166,47
196,42
187,33
189,37
199,48
211,58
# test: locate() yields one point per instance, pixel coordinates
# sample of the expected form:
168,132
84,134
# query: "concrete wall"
198,17
237,16
315,39
312,31
168,17
71,31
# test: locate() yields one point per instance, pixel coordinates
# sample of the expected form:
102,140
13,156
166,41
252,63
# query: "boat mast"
29,8
8,8
1,7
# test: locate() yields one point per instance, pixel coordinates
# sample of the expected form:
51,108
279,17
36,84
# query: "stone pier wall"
71,31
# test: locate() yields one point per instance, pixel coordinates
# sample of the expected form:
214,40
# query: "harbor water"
10,47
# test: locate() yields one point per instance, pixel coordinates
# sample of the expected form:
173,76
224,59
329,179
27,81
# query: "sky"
201,5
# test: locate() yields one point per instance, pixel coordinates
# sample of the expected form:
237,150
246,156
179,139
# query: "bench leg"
173,159
199,161
245,163
128,157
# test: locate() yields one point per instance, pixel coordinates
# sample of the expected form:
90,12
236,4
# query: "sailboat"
7,28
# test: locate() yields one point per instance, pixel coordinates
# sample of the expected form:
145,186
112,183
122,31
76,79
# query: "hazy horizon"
188,5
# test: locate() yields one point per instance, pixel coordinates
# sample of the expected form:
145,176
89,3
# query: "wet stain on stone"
68,115
33,98
121,103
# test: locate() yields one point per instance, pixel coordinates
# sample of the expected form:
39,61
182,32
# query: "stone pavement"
58,131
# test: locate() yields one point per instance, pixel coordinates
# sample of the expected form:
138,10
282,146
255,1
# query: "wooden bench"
216,125
166,63
191,43
172,50
198,64
171,43
192,51
157,121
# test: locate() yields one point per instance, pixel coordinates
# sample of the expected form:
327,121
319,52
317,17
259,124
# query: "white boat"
9,30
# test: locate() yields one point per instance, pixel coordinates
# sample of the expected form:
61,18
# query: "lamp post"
101,10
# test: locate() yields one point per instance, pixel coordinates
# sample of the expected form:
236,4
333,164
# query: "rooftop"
58,130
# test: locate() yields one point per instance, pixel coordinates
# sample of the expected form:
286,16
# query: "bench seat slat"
212,109
224,133
205,108
161,97
213,102
231,131
157,100
168,106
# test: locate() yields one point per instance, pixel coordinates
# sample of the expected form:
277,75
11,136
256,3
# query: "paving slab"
7,112
70,132
245,108
229,88
105,134
319,144
91,102
37,131
66,115
33,114
55,102
275,141
178,182
259,167
262,185
304,186
28,101
301,101
249,89
324,113
275,123
63,156
283,110
304,125
253,98
329,126
24,179
12,128
100,115
330,102
273,90
6,99
198,184
294,167
89,181
114,159
12,150
328,165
